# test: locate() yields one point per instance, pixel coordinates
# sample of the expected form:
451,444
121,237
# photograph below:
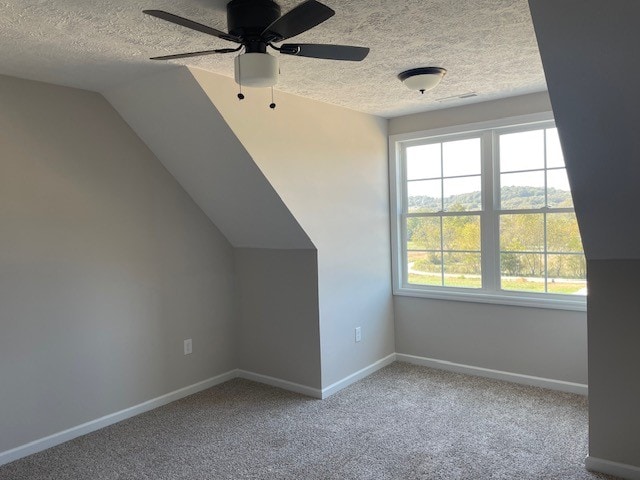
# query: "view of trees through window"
538,246
543,251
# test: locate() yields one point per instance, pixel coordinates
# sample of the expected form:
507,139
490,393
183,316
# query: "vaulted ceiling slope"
189,136
329,165
593,84
487,46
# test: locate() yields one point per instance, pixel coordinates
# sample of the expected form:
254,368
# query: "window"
485,213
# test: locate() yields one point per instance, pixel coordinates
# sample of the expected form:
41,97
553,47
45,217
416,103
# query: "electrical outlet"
188,347
358,334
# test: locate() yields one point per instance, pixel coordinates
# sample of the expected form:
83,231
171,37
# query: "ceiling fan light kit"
422,79
258,24
256,70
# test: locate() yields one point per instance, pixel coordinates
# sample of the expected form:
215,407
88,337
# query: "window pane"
424,196
520,233
461,157
538,250
522,190
423,161
461,233
423,233
554,152
567,274
558,190
424,268
563,234
462,270
522,272
462,194
522,151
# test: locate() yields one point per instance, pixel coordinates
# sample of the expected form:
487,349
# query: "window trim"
489,233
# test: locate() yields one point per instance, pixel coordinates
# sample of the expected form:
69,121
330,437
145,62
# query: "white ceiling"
487,46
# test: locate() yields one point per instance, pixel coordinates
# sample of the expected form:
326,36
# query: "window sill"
562,303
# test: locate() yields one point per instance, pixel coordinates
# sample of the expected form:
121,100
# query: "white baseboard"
277,382
71,433
496,374
88,427
93,425
316,392
621,470
359,375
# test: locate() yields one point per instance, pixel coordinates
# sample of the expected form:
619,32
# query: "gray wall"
302,176
279,332
598,116
106,266
477,112
614,356
190,137
531,341
329,165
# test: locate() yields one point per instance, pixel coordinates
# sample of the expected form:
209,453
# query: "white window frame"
490,292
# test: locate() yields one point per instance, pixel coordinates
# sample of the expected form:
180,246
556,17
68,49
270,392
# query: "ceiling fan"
257,24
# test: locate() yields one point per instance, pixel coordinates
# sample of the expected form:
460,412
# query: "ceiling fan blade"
195,54
185,22
329,52
300,19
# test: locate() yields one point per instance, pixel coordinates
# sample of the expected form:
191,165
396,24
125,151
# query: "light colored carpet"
403,422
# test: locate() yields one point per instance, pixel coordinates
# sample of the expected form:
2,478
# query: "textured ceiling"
487,46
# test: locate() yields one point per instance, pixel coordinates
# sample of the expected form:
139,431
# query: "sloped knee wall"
276,266
329,165
588,50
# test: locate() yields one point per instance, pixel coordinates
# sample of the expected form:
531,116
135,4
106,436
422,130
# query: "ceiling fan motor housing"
247,18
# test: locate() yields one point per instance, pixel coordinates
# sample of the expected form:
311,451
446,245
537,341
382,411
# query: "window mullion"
404,280
442,250
523,211
544,216
441,211
400,202
546,256
488,221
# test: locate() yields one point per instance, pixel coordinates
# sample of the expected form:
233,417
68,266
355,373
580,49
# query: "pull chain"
240,95
272,105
